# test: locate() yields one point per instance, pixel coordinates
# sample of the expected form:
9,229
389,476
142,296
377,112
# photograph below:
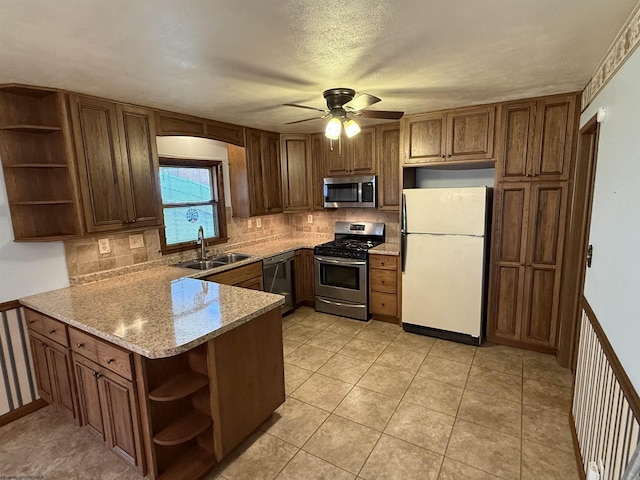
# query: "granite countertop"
389,248
156,313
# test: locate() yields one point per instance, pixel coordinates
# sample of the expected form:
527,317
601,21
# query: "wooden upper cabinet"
169,123
388,160
318,149
424,138
254,175
297,172
536,139
470,134
356,156
271,171
118,164
458,135
555,131
515,144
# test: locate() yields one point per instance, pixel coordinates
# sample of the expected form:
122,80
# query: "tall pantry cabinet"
534,152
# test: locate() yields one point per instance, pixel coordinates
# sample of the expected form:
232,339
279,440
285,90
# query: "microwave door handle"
359,192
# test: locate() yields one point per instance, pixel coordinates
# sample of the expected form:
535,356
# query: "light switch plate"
136,241
103,246
249,223
309,218
258,222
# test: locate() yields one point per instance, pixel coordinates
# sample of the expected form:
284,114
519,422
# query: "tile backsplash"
83,255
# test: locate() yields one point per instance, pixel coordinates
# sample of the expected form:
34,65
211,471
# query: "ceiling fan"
341,103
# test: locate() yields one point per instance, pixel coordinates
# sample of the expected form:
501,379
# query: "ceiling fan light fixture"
333,128
351,128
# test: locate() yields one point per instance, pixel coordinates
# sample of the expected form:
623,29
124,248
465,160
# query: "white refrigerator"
443,262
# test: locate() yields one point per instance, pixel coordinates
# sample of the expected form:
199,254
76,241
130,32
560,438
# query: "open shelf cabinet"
38,164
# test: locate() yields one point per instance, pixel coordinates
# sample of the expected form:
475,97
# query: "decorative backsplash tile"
623,46
83,257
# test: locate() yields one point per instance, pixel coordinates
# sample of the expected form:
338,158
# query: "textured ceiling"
239,61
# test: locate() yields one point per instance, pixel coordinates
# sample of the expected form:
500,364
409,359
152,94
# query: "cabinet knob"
534,174
111,360
133,221
79,345
382,304
448,155
51,332
32,321
98,375
442,155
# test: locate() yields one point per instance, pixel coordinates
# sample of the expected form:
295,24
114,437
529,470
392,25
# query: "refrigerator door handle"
403,250
403,219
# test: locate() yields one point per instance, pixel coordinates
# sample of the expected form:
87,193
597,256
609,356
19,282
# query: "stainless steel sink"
205,264
231,257
220,260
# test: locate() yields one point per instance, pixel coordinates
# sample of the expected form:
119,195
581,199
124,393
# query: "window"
192,196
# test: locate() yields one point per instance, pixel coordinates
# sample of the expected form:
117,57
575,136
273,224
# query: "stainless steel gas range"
342,269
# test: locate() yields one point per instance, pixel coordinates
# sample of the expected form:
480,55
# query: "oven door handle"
340,262
339,304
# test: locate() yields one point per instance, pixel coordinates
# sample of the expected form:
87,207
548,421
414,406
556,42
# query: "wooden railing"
606,408
18,389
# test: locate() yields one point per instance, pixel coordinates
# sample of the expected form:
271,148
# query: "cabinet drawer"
84,344
237,275
103,353
252,283
383,280
384,304
115,359
386,262
50,328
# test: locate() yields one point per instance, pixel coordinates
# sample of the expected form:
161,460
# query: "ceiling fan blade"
305,120
381,114
361,102
304,106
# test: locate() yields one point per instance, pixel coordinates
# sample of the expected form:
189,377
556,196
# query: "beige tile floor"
367,401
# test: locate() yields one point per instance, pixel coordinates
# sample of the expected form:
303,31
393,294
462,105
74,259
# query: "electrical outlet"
249,223
103,246
136,241
309,218
258,222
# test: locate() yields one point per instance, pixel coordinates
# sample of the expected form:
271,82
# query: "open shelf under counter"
185,428
195,463
180,386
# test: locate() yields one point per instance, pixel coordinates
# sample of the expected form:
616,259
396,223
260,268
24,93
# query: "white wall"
612,285
27,268
432,178
199,149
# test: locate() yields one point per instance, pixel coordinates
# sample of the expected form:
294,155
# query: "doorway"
578,235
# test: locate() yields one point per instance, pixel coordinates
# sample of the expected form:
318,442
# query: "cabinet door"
507,285
470,134
122,424
95,131
271,170
296,172
89,398
515,141
337,157
304,278
41,364
255,174
555,132
139,154
547,220
362,152
423,138
61,373
318,141
388,159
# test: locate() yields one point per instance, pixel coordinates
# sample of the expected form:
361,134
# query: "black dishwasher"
277,277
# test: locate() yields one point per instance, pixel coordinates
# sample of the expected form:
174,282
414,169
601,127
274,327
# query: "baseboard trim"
576,447
20,412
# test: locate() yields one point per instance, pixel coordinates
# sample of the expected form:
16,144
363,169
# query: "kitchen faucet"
201,242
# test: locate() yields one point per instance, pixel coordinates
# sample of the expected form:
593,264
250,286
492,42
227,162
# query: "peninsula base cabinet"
170,418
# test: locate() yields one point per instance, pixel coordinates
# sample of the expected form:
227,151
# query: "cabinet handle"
448,155
79,345
534,174
32,321
51,332
111,360
98,375
442,155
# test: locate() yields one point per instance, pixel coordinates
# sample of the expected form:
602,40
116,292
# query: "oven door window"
342,192
340,276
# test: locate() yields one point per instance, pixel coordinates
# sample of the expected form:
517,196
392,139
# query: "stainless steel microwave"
350,192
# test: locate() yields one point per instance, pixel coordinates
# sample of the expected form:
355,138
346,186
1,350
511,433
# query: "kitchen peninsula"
170,372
